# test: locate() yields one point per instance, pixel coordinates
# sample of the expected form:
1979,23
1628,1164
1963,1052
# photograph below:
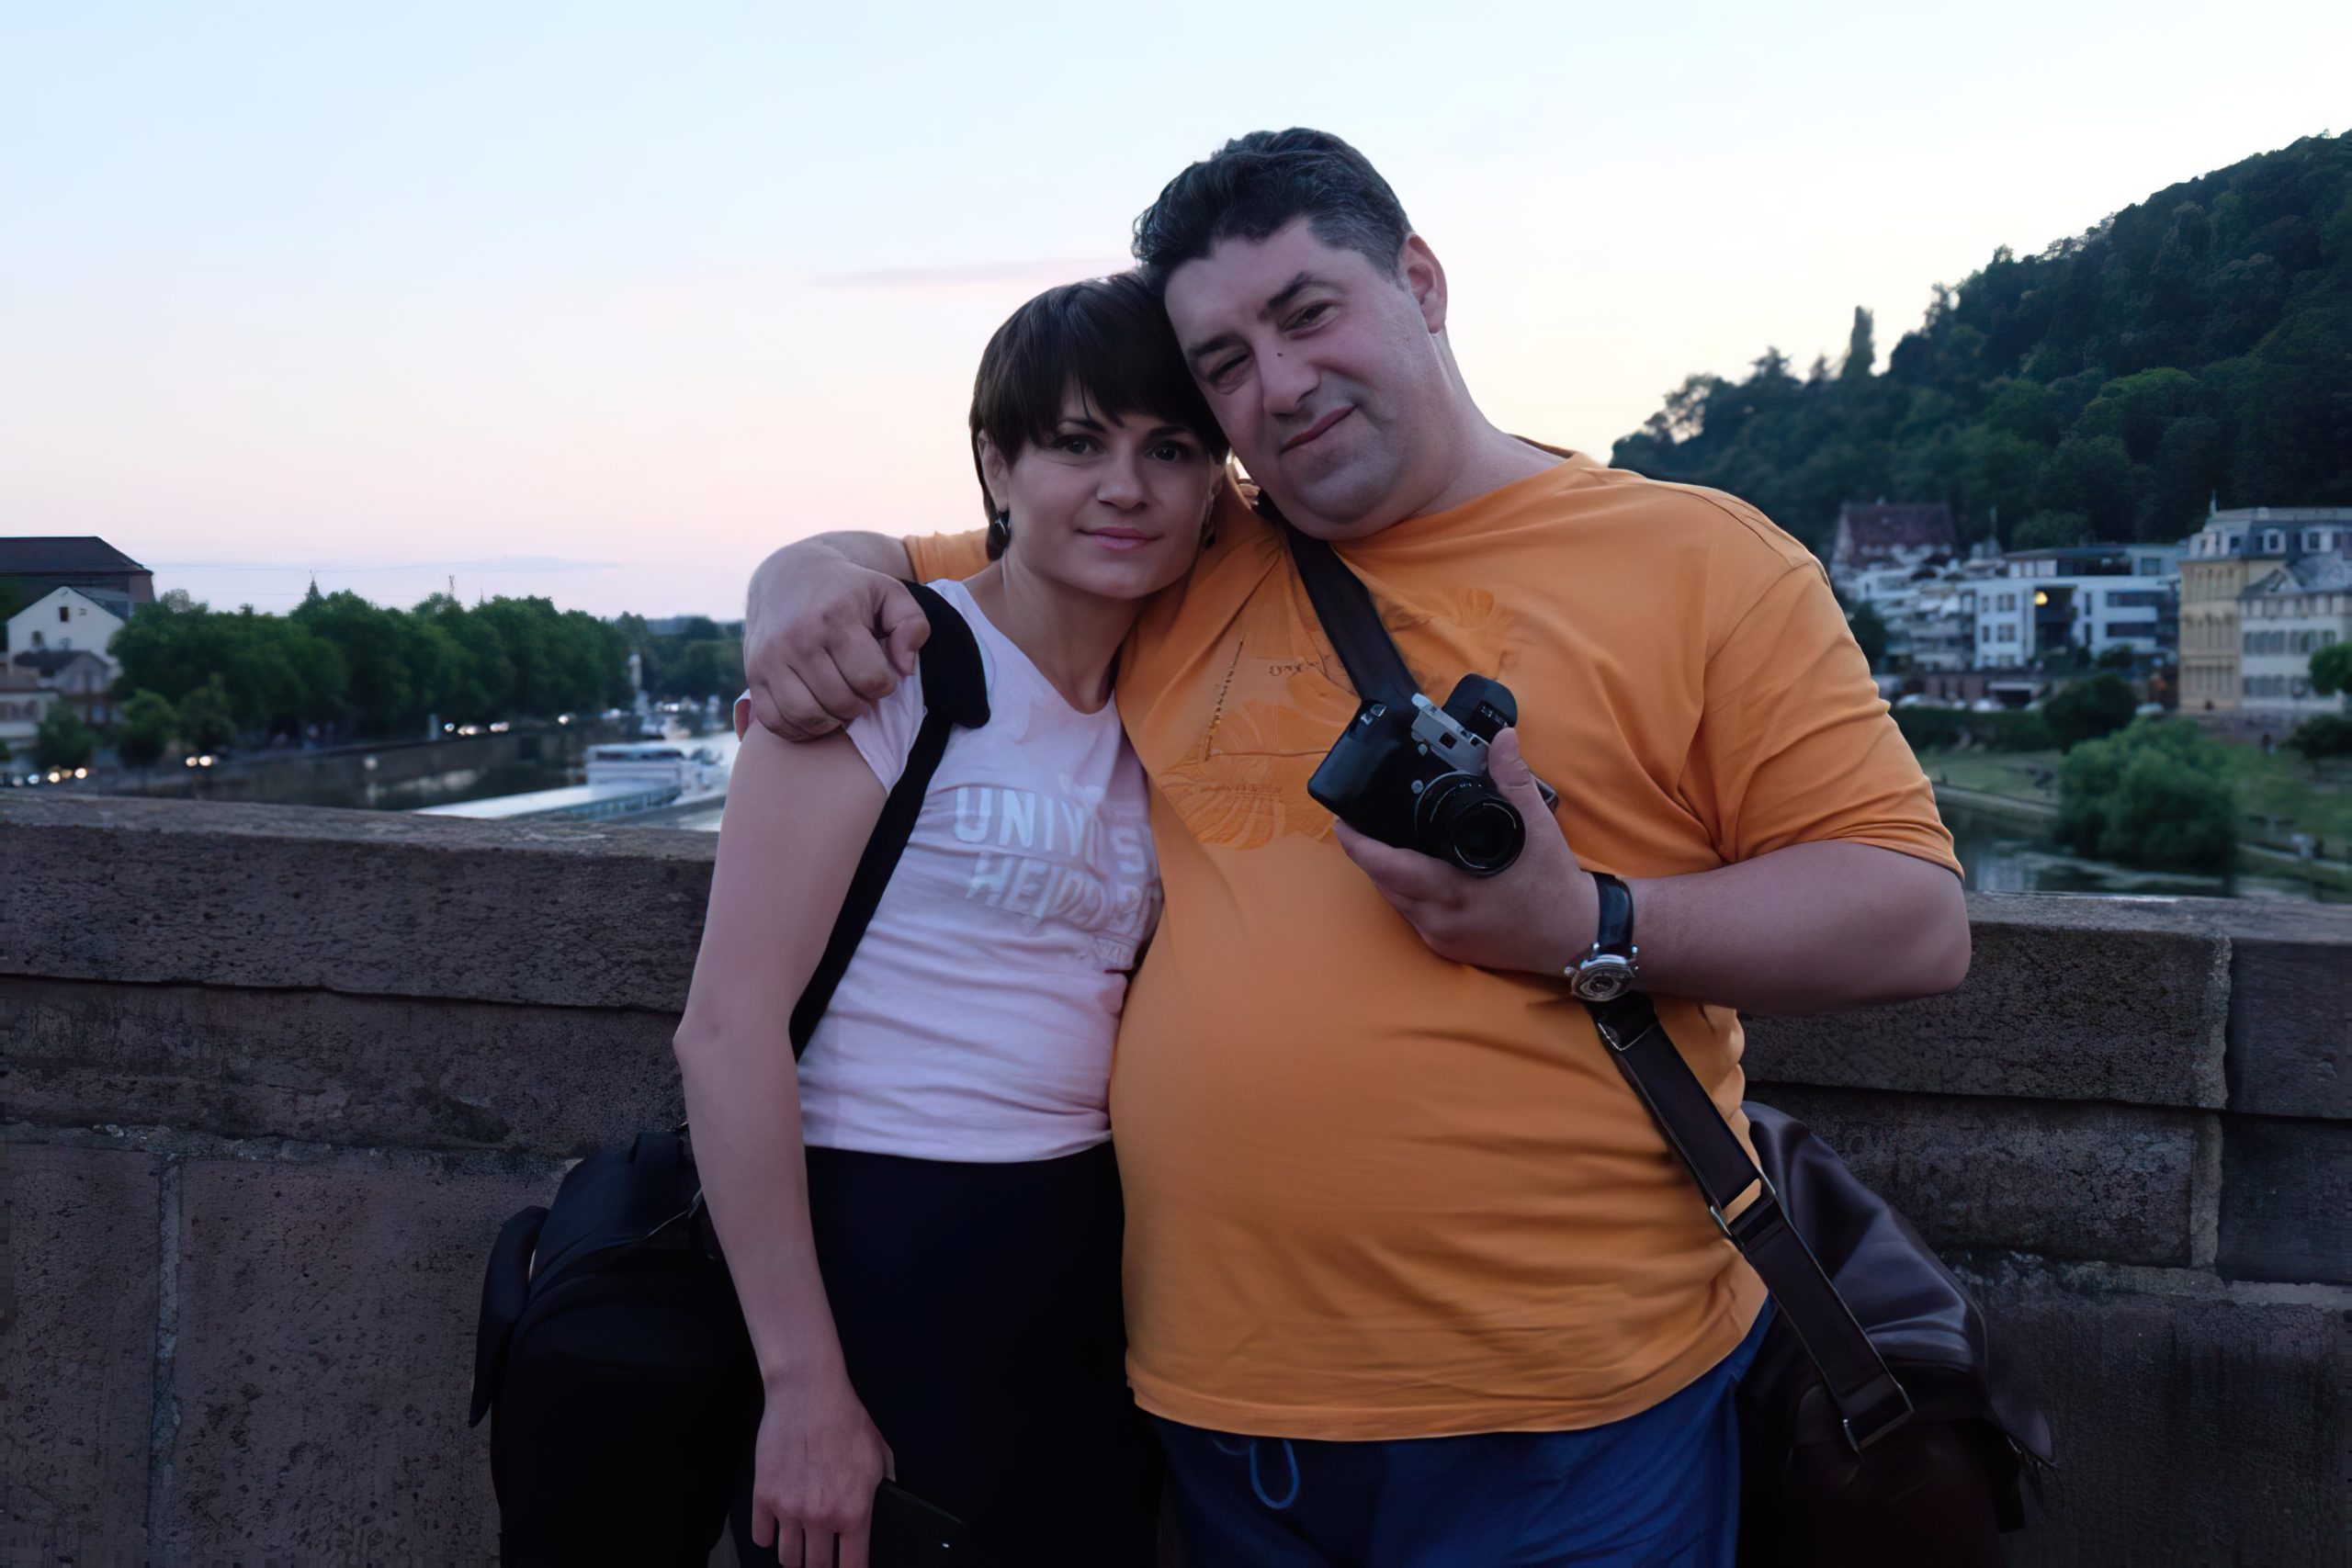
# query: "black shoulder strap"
1349,617
1869,1401
955,693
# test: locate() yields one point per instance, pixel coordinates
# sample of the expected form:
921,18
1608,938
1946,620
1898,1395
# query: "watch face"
1605,979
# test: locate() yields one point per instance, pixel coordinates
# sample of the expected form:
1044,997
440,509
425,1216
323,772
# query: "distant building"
78,675
24,699
61,618
2225,558
2283,619
2093,597
1877,536
103,573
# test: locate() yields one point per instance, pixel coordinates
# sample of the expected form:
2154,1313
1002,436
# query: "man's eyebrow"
1207,346
1289,291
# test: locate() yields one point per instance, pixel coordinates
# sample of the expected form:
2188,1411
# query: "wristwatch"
1608,971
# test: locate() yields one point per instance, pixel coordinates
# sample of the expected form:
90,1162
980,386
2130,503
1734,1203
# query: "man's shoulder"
1664,512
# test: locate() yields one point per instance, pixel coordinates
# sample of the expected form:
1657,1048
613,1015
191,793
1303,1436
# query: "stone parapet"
271,1077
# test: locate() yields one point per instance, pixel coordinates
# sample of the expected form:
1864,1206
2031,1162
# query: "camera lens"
1461,819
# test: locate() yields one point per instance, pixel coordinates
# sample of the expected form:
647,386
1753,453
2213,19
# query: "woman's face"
1113,507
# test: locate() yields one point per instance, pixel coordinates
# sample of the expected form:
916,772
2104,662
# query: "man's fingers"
1400,873
903,625
830,691
855,1549
1509,769
865,667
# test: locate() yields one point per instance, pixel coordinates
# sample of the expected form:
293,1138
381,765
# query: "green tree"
2198,341
2152,794
62,741
2051,531
206,719
2087,710
1870,632
2332,669
1861,353
146,729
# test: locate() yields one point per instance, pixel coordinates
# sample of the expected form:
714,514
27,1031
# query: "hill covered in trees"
2196,344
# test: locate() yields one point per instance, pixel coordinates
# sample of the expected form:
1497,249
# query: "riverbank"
2279,796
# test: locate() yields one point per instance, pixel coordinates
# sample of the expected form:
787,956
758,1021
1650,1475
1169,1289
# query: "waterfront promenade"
273,1075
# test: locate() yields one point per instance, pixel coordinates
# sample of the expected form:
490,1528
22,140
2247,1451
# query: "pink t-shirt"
977,1019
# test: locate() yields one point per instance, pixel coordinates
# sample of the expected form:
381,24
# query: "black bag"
611,1344
1876,1424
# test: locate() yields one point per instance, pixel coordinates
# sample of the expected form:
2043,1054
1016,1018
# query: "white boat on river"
624,779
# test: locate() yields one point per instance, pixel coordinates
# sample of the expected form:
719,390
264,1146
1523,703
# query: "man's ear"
995,470
1423,276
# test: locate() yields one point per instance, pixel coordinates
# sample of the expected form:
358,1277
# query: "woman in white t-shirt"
922,1223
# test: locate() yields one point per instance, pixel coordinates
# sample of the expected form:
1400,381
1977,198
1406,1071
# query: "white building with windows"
62,618
2285,618
2094,597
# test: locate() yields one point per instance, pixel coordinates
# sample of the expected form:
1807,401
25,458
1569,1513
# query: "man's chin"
1345,503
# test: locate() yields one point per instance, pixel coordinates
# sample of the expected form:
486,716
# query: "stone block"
382,903
77,1352
2286,1201
2196,1423
2128,1005
2291,1025
321,1067
326,1314
2077,1181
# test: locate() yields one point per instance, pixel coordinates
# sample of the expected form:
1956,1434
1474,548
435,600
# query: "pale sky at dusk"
601,301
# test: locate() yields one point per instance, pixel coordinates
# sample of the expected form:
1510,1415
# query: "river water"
2002,855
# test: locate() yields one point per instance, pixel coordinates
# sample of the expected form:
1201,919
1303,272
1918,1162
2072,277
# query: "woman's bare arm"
796,821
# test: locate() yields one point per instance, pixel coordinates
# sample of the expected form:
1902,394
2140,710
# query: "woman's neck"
1070,635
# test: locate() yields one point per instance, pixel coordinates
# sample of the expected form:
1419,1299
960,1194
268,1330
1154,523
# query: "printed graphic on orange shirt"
1284,702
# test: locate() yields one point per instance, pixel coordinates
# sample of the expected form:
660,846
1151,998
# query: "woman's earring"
1000,531
1208,531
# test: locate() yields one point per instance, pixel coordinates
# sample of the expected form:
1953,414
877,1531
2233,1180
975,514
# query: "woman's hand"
814,1472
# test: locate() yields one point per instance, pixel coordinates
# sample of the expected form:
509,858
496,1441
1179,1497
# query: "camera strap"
1349,617
1870,1402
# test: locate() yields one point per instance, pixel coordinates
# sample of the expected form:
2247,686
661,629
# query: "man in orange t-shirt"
1391,1208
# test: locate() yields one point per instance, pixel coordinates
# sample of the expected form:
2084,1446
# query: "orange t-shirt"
1371,1194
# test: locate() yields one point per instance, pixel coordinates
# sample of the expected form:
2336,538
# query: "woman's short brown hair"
1107,336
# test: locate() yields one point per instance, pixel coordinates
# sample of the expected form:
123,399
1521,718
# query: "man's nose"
1286,382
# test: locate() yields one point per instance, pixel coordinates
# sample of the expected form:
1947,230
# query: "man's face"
1323,370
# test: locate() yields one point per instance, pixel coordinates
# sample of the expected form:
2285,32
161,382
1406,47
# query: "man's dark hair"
1257,183
1106,337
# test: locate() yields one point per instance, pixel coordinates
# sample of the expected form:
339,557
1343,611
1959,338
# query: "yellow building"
2231,551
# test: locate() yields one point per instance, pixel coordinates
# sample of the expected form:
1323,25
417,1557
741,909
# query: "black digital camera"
1416,777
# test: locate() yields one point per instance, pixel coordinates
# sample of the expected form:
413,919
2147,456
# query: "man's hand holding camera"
1537,915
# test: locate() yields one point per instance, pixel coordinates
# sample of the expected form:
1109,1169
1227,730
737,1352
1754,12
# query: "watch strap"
1615,931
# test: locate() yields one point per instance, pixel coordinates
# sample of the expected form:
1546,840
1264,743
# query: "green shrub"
2089,710
2012,730
2155,794
62,741
2324,734
1931,729
1940,729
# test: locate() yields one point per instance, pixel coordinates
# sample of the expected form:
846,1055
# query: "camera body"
1416,777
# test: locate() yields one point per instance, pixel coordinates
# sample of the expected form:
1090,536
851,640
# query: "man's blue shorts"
1661,1487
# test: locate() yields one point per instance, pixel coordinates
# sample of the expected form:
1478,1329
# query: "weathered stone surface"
353,901
335,1069
326,1318
2286,1201
2132,1008
2290,1027
2085,1182
2196,1423
77,1357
